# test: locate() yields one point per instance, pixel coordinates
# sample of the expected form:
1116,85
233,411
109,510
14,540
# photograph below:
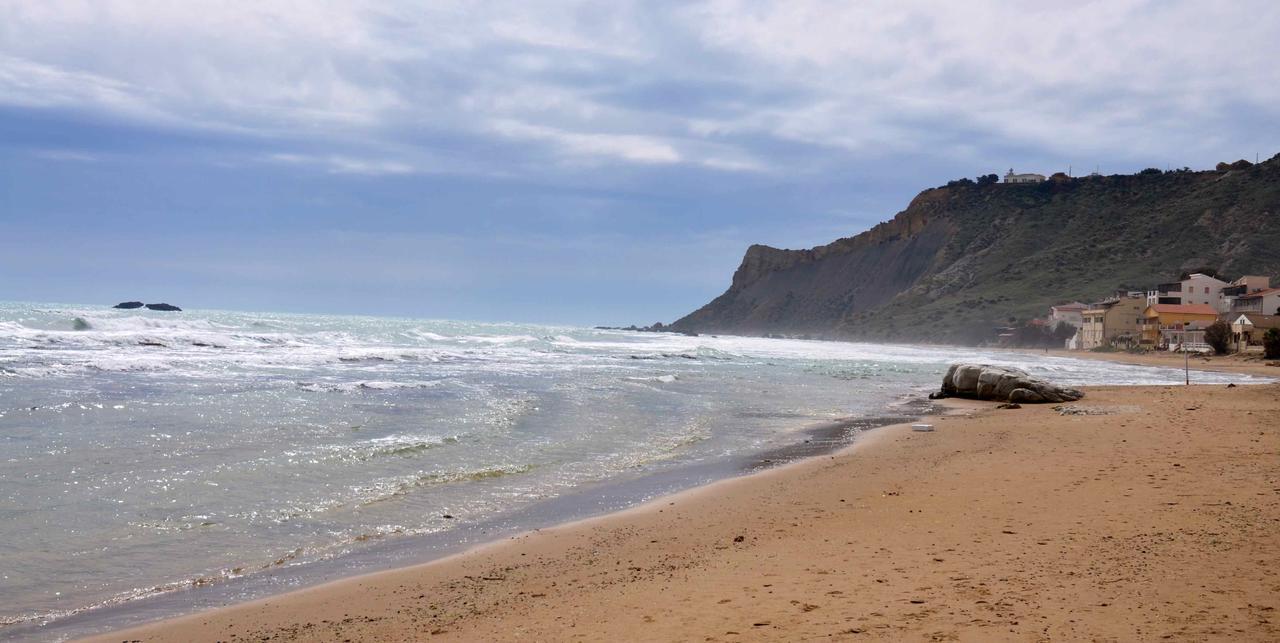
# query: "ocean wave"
363,386
496,339
394,445
390,488
660,379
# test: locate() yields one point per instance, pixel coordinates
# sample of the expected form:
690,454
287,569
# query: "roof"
1184,309
1259,293
1259,321
1072,306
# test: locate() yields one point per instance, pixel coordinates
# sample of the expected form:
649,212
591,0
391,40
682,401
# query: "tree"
1031,335
1062,332
1204,270
988,179
1218,336
1271,343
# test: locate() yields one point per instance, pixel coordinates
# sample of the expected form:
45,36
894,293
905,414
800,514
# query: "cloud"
66,155
628,147
719,85
337,164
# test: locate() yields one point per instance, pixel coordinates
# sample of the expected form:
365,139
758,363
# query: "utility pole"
1186,358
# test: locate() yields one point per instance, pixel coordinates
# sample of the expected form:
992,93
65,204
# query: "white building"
1023,178
1072,313
1197,288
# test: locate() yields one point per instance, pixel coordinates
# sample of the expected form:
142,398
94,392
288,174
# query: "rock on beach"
1001,383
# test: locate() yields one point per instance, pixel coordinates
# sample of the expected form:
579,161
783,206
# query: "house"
1114,320
1247,328
1023,178
1243,286
1197,288
1071,313
1266,302
1176,325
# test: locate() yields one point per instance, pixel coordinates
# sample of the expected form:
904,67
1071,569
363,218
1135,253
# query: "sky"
562,162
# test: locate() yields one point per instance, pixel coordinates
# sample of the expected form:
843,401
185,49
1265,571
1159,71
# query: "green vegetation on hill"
970,256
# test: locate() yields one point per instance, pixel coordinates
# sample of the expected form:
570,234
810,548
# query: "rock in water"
986,382
164,307
129,305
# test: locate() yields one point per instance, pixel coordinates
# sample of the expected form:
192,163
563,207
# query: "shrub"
1218,336
1271,343
1209,271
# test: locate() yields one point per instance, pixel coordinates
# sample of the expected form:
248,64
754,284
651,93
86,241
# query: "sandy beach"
1152,517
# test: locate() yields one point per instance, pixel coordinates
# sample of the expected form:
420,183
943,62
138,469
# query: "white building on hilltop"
1023,178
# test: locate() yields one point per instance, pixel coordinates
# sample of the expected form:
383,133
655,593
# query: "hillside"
966,257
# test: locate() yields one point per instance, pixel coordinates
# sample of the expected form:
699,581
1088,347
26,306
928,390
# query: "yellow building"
1114,319
1169,325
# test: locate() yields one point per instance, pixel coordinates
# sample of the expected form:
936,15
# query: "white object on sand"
922,427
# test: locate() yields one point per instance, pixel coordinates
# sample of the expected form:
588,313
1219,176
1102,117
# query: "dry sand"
1157,521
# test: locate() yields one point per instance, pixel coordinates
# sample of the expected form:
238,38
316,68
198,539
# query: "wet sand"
1155,519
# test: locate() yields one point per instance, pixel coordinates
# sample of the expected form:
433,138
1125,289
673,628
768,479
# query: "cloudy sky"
602,162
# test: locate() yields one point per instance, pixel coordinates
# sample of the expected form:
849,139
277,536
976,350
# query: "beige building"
1247,328
1118,319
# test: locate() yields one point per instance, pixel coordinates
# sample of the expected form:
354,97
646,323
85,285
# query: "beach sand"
1159,520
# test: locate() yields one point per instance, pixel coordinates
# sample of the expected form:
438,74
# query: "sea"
152,463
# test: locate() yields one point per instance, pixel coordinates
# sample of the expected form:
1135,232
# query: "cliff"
964,258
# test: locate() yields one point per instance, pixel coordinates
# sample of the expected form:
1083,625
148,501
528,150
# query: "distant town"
1198,313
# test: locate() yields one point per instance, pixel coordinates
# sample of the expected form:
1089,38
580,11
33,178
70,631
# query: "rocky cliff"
966,257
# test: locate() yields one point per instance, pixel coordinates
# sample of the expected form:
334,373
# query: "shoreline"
690,557
1251,364
599,500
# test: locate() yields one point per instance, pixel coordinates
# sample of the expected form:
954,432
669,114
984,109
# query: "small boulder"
1020,395
129,305
164,307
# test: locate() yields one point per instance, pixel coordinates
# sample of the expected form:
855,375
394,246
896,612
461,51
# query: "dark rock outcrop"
1001,383
164,307
129,305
